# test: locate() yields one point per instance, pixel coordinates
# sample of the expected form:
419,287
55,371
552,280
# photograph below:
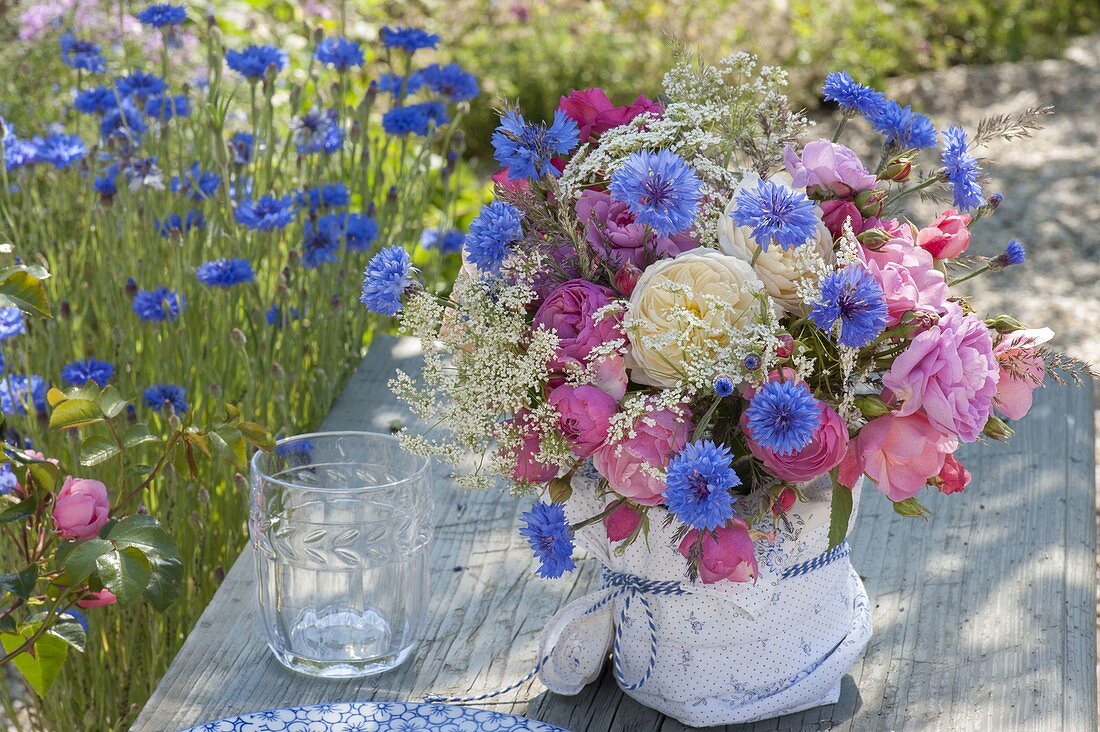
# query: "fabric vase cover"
712,654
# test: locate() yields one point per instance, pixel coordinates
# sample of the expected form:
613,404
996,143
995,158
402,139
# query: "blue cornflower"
855,298
18,153
79,373
526,149
265,214
723,386
123,120
444,240
777,215
240,144
360,231
298,450
414,119
253,62
407,39
8,479
400,86
852,96
143,173
319,131
166,106
451,80
161,15
660,189
321,240
275,316
175,225
497,225
59,150
902,127
158,305
547,531
160,396
12,322
96,100
962,169
698,485
76,615
105,184
783,416
388,275
83,55
140,85
1013,254
340,52
19,392
329,195
196,183
224,272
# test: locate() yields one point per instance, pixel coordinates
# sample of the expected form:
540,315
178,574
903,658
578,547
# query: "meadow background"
223,346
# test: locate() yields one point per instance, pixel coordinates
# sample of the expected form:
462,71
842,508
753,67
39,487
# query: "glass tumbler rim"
415,475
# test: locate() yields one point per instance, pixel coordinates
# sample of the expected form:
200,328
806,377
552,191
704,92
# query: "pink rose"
621,522
900,454
528,468
594,113
583,415
947,237
81,507
953,477
908,277
835,212
626,278
826,167
948,372
1021,369
728,553
825,451
657,437
569,311
619,239
504,179
97,599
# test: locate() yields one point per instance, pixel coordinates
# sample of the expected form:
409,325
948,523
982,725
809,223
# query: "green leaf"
24,290
228,443
257,435
75,413
111,403
97,449
839,514
911,509
146,535
138,434
70,631
22,510
125,572
20,584
79,560
166,583
40,667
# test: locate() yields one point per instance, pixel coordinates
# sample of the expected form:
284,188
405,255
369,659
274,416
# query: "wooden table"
984,614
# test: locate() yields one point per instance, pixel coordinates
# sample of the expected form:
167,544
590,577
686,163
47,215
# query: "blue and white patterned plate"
376,717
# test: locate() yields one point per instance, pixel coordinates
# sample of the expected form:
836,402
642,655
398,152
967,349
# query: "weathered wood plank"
983,614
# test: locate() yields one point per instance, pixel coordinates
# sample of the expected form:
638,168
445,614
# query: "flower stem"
598,517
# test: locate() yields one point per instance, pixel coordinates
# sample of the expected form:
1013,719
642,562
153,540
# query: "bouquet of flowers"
680,318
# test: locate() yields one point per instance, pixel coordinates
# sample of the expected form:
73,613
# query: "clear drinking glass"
340,523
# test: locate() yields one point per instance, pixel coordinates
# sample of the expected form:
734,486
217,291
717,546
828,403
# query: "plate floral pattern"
376,717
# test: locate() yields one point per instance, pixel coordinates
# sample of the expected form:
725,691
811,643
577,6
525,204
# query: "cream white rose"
685,311
779,270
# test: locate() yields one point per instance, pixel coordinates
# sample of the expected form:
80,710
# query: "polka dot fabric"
724,653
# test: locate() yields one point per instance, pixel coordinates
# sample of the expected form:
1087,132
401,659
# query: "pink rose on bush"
568,311
657,437
81,507
908,278
1021,369
528,468
947,237
728,553
900,454
595,114
953,477
621,523
825,451
97,599
583,415
619,239
826,167
949,373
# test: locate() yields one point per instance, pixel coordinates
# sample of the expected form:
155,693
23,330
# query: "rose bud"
626,279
